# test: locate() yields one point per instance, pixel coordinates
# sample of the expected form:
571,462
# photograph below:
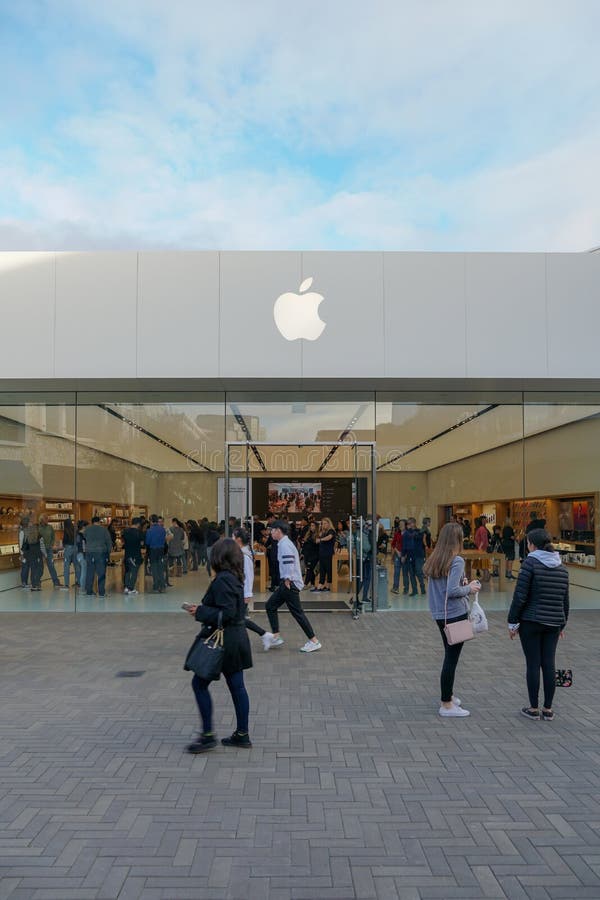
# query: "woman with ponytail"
538,614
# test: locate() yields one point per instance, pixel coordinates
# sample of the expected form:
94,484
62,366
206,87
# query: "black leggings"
325,569
451,655
539,646
252,626
310,576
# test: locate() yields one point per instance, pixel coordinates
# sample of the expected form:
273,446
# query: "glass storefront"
509,457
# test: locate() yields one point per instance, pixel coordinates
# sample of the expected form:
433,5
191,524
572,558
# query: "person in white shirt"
289,588
242,539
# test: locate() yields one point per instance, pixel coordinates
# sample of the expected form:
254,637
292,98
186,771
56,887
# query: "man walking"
288,591
98,546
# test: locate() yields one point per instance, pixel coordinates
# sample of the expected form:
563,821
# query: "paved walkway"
354,789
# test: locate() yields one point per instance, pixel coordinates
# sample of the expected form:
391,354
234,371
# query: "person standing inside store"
226,596
69,552
133,542
413,549
397,557
161,522
326,544
195,539
156,539
538,614
25,568
242,538
98,547
272,555
534,522
288,591
32,551
508,546
80,563
176,549
310,555
48,538
447,596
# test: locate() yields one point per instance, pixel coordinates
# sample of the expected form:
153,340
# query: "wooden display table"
263,569
338,557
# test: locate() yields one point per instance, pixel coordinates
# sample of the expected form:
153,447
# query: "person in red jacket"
399,564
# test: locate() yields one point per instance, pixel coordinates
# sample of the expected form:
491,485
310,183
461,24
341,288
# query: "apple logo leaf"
305,285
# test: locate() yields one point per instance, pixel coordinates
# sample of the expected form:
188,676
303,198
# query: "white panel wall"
352,307
573,314
27,305
95,333
506,314
250,343
425,327
178,315
208,314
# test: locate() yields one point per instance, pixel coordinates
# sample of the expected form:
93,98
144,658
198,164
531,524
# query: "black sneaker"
547,715
202,744
237,740
530,713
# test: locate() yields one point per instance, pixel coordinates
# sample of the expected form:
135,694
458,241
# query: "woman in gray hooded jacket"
538,614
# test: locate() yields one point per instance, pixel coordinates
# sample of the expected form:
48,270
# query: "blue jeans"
25,567
80,569
415,570
157,567
70,557
365,585
400,567
239,695
50,566
96,565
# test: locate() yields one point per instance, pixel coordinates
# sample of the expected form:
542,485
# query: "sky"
312,124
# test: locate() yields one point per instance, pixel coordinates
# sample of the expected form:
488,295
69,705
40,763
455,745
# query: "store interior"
502,455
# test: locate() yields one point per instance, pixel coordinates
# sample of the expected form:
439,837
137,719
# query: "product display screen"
336,498
288,498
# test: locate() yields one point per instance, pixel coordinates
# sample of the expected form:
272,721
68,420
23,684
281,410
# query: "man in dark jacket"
98,546
133,541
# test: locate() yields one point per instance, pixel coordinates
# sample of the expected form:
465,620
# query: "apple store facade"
203,385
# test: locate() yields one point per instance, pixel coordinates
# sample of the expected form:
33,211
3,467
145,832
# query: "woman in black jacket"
539,613
225,595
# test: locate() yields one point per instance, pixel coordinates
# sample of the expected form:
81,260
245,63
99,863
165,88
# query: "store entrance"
313,486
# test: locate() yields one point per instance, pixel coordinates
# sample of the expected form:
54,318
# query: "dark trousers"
325,569
451,655
239,695
194,555
274,571
310,576
365,584
35,563
24,570
252,626
157,567
539,646
415,570
132,567
291,597
96,565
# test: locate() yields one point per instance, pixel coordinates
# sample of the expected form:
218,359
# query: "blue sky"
431,125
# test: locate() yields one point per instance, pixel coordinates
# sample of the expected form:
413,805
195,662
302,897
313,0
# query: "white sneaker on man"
454,711
269,640
310,646
132,592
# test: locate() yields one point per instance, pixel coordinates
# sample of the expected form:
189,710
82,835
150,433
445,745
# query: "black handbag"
205,656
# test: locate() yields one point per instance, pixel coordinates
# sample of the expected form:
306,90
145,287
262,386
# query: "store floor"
191,587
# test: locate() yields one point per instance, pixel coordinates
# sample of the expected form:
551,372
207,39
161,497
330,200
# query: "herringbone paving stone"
354,788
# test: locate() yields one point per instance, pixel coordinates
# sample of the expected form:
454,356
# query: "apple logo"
297,315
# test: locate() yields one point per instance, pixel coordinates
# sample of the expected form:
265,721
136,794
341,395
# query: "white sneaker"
132,592
455,711
267,639
457,701
273,641
310,646
126,591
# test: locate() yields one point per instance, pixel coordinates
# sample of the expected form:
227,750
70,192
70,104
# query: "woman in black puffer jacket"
539,613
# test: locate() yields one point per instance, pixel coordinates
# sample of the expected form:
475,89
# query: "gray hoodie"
550,558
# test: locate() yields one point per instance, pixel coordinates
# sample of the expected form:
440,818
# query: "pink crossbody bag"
457,632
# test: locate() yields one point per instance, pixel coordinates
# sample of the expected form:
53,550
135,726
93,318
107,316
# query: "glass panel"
562,483
37,499
452,459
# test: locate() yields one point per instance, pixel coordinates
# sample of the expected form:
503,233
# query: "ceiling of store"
189,437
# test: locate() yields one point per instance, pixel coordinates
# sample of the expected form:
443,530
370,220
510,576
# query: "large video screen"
294,498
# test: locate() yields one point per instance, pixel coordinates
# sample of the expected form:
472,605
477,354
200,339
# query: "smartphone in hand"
187,606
